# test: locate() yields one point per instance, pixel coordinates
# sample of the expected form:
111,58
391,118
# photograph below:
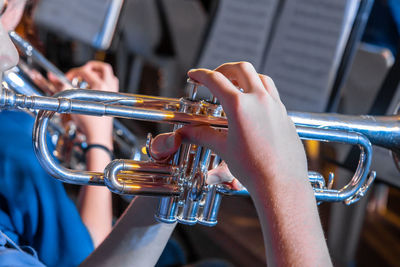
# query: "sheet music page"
83,20
239,33
187,21
306,50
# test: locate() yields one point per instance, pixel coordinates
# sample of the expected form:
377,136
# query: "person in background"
35,210
36,215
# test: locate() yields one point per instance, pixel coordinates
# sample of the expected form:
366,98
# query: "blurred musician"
35,209
36,215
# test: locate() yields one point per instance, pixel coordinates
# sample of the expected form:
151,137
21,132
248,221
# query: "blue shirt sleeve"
14,258
12,255
35,210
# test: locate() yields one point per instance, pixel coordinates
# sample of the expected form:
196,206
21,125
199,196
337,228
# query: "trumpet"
26,78
185,196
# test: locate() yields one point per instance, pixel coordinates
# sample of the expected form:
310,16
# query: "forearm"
136,240
290,222
95,201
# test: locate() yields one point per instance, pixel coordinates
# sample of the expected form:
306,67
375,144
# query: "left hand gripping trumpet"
181,184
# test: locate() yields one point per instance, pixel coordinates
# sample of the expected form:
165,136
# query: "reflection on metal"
185,197
29,77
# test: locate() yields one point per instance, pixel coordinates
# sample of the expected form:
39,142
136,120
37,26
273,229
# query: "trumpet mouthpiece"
7,98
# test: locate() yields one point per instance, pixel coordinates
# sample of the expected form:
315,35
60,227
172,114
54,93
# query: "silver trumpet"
26,78
185,196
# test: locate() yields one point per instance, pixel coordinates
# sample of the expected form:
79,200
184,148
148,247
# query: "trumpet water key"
181,184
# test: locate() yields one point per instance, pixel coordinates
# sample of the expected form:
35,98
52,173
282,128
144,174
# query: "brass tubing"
162,187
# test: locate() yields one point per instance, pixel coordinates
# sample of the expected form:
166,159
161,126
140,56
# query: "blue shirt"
35,210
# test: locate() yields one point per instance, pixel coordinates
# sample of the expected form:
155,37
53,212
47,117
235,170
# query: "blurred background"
324,56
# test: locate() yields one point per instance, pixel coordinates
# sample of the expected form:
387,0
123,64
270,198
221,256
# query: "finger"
269,85
220,174
219,85
92,78
236,185
165,145
206,136
104,70
244,73
56,82
106,73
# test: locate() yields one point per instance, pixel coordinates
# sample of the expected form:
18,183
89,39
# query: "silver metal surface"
186,196
25,79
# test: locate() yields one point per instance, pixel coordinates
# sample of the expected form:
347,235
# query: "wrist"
100,149
265,186
104,140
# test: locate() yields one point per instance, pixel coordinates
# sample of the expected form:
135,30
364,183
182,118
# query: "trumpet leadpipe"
382,131
60,104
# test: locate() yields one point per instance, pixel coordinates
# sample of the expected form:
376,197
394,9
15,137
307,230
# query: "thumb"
164,145
204,135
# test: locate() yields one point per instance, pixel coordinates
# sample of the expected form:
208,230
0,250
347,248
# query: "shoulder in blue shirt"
35,210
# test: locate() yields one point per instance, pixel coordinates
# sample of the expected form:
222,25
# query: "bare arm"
136,240
95,203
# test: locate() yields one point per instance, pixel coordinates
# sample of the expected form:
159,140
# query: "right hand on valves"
261,141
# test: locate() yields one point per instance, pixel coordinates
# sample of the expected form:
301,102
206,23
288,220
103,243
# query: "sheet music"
306,50
239,33
90,21
187,21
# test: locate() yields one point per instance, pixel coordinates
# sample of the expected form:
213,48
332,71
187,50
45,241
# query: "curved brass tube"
186,196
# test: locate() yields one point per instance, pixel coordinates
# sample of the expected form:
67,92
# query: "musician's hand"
261,140
263,150
163,146
99,76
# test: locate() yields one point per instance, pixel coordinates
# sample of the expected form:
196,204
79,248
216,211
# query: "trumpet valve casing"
197,201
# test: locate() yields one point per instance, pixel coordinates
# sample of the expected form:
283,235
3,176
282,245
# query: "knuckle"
268,79
271,83
89,64
228,64
107,66
245,66
215,75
